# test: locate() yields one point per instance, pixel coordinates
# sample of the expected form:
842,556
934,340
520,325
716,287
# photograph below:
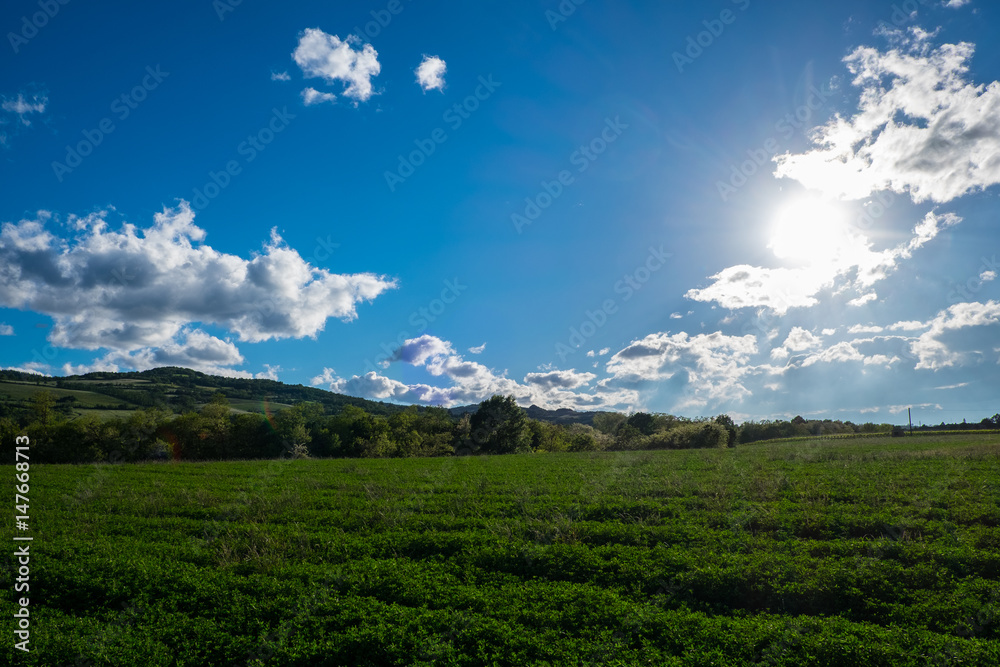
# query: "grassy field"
854,552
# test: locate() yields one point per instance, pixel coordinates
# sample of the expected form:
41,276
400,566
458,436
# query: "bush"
701,435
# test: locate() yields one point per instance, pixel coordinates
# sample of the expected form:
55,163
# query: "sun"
808,230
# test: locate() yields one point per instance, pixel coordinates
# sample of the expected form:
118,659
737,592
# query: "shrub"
690,436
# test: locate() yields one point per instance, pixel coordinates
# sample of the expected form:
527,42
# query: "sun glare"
808,230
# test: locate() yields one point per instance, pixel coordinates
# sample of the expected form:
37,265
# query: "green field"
851,552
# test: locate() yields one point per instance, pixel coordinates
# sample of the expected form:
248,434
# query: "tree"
608,422
643,422
726,422
43,406
500,426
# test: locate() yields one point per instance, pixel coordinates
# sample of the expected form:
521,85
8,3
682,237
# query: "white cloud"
603,351
6,330
860,328
675,316
192,348
22,106
468,382
31,367
845,351
852,264
713,363
934,354
322,55
909,325
896,409
559,379
328,376
430,73
478,349
988,276
952,386
829,332
311,96
955,4
798,340
863,299
135,291
778,289
922,127
280,76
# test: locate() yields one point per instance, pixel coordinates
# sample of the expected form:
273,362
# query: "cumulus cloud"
846,351
321,55
798,340
192,348
559,379
714,364
934,353
311,96
6,330
462,382
430,73
137,291
922,127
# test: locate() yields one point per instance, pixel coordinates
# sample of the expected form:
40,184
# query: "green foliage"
819,553
500,426
691,436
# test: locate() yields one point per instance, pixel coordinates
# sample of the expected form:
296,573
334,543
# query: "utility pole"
910,417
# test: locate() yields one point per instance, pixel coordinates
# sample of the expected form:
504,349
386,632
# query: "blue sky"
765,209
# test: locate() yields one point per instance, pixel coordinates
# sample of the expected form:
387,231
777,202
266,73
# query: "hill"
170,388
181,389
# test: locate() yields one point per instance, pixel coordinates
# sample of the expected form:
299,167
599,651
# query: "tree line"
307,430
